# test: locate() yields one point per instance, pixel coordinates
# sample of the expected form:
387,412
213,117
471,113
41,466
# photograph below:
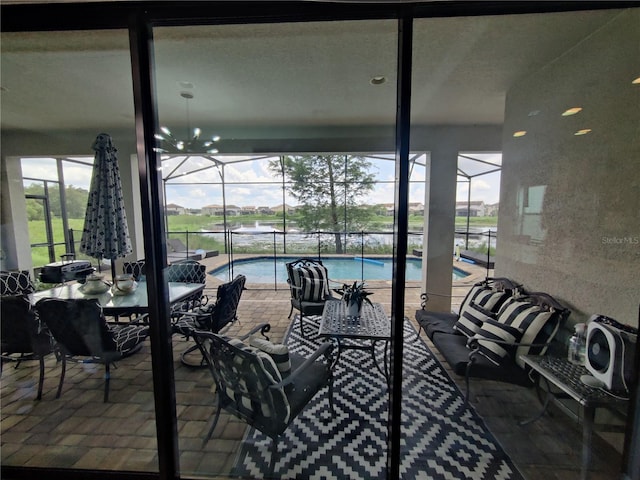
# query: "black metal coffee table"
372,326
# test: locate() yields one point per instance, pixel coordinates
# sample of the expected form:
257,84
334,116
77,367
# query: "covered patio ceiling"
247,80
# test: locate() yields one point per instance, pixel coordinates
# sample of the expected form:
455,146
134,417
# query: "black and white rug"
440,439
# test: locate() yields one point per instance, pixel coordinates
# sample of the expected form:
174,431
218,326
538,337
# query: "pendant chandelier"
192,142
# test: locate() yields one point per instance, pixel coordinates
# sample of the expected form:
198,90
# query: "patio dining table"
135,302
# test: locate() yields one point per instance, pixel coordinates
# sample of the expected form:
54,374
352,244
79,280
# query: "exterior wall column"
14,229
439,226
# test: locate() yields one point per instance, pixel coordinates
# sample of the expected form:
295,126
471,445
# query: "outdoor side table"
373,326
565,376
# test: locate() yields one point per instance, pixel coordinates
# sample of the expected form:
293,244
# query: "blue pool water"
263,269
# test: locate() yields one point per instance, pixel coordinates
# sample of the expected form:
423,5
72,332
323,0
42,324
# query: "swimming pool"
263,269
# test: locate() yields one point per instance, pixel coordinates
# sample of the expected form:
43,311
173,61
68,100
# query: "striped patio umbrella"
105,233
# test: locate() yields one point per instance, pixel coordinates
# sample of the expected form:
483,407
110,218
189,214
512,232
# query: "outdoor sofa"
497,322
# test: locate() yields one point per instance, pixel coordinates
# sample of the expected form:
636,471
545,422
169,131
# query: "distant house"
233,210
264,210
416,208
219,210
492,210
173,209
471,209
249,210
387,209
284,207
216,210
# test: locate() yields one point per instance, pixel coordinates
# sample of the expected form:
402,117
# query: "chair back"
16,283
137,268
188,271
19,328
246,381
78,326
226,306
308,280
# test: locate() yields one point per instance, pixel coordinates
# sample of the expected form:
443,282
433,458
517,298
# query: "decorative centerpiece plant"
354,296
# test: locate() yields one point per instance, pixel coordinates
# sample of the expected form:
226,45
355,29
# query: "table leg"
545,405
338,350
385,370
587,434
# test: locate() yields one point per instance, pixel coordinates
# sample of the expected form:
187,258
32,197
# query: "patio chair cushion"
313,281
471,320
494,330
279,353
532,319
128,338
16,283
266,376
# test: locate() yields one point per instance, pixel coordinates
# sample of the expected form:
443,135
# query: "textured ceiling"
284,75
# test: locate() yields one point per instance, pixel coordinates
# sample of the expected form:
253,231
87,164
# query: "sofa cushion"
494,330
470,322
432,322
454,350
539,325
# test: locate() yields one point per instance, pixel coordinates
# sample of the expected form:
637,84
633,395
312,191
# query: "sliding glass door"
314,95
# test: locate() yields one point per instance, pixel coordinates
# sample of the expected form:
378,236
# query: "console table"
565,376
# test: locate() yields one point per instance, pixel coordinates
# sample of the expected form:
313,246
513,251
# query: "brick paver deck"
80,431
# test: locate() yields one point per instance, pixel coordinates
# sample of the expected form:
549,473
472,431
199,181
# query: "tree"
328,188
76,201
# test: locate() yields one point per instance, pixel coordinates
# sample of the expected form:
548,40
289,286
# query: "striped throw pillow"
485,297
257,371
532,320
470,322
313,281
494,330
279,353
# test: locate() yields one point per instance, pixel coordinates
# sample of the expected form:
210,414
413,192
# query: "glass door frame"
140,20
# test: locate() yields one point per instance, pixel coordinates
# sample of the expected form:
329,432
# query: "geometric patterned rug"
440,439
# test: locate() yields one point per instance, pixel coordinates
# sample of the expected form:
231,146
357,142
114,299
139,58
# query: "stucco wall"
569,221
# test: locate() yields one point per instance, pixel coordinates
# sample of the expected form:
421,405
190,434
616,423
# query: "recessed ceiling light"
185,84
571,111
533,113
584,131
378,80
636,81
520,133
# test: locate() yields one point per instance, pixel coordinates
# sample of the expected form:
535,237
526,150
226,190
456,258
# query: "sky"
191,191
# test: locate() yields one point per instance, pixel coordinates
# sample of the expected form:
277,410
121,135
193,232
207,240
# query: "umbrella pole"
113,270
